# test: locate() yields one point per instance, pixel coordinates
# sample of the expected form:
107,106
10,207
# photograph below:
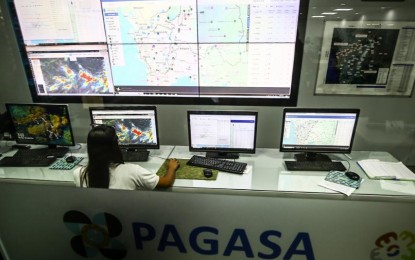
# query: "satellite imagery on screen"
132,131
36,124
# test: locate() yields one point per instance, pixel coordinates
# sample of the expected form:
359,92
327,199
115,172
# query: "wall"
386,123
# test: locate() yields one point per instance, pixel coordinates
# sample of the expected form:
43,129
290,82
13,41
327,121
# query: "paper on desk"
399,186
378,169
337,187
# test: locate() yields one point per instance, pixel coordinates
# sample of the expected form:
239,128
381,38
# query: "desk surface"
266,174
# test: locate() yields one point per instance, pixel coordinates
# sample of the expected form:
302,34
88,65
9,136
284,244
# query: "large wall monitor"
136,126
222,134
312,131
42,124
181,51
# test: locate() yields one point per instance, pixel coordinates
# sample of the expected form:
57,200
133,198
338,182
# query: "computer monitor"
42,124
313,131
222,134
172,52
136,126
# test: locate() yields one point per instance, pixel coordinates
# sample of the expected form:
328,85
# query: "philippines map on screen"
184,48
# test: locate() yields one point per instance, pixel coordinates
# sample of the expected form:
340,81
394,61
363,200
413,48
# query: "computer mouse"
352,175
70,159
208,173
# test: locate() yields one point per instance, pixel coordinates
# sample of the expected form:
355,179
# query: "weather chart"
135,48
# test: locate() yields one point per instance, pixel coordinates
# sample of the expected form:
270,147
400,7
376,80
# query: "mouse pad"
341,178
187,172
61,164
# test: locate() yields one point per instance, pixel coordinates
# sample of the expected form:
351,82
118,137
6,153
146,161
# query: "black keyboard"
314,166
135,156
11,161
217,164
43,152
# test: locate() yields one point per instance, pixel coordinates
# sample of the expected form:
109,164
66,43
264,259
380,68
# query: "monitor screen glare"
135,126
222,131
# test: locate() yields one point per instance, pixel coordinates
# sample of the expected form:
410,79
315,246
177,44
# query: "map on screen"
159,48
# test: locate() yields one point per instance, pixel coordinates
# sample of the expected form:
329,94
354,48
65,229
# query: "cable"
348,167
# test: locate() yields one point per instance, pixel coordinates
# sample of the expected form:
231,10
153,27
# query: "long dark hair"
103,150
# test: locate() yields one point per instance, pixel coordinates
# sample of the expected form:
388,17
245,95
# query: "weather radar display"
132,131
83,75
37,124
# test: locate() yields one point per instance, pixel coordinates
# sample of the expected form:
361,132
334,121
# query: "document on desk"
376,169
337,187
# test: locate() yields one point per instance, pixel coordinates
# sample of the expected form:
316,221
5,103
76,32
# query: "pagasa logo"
96,236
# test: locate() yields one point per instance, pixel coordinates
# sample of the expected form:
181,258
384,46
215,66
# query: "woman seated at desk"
106,167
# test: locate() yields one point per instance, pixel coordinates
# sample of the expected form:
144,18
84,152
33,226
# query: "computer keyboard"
43,152
11,161
217,164
314,166
135,156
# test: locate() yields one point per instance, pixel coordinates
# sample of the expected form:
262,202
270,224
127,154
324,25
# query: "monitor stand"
135,154
222,155
58,151
310,156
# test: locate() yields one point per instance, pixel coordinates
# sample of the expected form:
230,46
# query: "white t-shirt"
125,177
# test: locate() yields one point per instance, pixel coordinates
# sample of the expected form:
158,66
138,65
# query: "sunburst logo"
96,236
394,246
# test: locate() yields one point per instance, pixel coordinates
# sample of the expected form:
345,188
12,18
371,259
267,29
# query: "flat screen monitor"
222,134
42,124
313,132
136,126
179,51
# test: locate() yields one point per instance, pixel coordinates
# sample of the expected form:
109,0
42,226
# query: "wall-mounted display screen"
191,51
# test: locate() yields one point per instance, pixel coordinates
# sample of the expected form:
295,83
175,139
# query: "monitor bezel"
318,149
22,141
138,108
222,112
232,100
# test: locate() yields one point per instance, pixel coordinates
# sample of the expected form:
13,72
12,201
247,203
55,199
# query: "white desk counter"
65,177
266,213
265,175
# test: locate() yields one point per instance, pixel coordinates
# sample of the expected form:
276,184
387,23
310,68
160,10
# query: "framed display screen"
232,52
372,59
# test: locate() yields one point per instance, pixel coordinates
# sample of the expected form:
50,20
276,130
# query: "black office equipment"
136,128
135,156
57,152
314,166
207,173
352,175
217,164
21,146
70,159
222,134
11,161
